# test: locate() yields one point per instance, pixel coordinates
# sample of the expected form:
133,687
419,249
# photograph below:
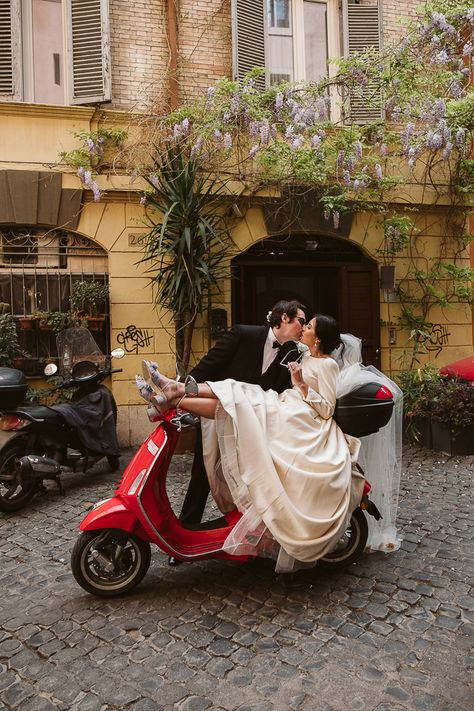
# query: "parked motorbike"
112,554
39,442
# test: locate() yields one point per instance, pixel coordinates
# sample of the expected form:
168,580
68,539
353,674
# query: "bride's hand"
297,380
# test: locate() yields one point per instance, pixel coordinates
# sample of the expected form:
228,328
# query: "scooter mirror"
117,353
50,369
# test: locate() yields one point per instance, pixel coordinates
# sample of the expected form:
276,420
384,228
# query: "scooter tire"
351,546
130,566
14,495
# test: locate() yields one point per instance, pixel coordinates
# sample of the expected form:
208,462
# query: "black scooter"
38,442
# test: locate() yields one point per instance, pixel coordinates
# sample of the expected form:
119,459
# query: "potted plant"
89,299
418,391
58,320
9,345
452,417
27,323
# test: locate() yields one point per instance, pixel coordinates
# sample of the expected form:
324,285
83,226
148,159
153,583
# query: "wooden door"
347,292
360,311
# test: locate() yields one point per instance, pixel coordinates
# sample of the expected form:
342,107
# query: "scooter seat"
38,413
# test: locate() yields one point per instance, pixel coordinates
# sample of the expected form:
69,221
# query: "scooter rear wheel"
350,546
109,562
14,495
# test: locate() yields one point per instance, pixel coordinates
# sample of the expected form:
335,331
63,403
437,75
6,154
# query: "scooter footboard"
111,513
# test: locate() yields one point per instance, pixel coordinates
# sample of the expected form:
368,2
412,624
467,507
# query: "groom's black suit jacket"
238,354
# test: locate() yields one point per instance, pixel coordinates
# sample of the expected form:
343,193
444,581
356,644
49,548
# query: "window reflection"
279,13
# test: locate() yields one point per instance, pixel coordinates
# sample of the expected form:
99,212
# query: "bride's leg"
201,406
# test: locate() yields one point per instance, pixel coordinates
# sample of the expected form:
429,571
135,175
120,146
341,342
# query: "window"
297,39
54,51
294,39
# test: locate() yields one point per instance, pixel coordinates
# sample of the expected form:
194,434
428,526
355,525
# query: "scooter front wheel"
350,546
109,562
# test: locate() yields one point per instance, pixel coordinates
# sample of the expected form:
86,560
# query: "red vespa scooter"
112,554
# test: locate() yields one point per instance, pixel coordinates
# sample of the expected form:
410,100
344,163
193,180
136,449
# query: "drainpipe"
172,17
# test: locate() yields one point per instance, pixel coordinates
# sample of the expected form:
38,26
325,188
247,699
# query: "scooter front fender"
112,513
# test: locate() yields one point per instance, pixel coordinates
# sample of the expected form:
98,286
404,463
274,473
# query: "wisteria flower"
441,57
210,97
264,133
447,151
467,49
227,141
460,137
90,145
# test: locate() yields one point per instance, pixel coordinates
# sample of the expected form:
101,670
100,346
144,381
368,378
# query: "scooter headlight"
12,422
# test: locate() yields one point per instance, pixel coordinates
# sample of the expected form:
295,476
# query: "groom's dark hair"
290,308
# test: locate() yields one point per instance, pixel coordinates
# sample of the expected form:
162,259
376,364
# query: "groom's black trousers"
198,489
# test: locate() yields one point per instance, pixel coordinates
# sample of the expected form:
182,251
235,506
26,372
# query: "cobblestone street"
393,632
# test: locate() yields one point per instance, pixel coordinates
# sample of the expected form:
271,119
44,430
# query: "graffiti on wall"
436,338
134,338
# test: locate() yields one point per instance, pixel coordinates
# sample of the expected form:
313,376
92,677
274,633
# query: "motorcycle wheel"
109,562
350,546
13,494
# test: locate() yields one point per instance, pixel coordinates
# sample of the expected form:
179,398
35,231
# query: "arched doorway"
327,274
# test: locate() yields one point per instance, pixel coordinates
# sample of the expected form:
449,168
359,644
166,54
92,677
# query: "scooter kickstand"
60,486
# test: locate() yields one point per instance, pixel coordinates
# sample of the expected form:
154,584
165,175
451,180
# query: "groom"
251,354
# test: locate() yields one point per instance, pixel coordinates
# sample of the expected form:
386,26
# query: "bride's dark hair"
328,333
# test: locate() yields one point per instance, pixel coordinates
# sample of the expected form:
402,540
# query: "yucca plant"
185,249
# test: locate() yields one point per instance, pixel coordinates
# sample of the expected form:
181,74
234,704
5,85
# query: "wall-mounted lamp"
218,322
387,277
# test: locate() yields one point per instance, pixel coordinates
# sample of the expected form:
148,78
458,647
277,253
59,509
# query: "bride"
281,458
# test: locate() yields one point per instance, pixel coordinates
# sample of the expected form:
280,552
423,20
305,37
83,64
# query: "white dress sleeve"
321,375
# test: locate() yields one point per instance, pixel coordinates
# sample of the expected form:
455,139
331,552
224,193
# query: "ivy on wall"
418,155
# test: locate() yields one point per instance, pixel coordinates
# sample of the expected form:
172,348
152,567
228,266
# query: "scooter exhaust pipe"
33,466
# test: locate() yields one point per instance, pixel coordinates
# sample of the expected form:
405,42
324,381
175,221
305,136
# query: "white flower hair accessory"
267,317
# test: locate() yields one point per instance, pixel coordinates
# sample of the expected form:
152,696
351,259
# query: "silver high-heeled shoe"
163,403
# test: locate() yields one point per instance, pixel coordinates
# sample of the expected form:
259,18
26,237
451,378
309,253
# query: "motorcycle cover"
93,418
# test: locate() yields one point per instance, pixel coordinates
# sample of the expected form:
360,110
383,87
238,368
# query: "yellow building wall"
32,138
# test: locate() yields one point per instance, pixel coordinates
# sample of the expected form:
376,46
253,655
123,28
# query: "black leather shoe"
174,561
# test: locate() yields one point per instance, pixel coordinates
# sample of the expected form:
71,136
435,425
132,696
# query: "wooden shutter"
362,30
88,51
248,37
11,85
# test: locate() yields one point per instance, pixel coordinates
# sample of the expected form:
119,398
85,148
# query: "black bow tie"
276,344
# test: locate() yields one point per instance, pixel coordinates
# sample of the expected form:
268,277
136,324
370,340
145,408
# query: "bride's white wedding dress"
286,465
